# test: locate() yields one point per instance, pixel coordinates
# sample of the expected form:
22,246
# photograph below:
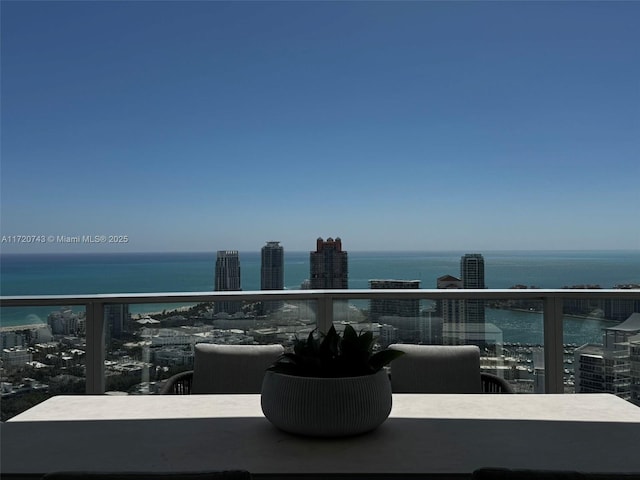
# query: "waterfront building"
12,339
452,313
388,334
614,365
116,317
538,363
329,269
584,306
472,276
227,279
272,272
609,308
634,361
393,307
272,267
41,334
619,309
66,322
400,314
329,265
472,270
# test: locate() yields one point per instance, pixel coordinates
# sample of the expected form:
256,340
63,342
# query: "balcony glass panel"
52,345
602,340
43,354
147,347
508,332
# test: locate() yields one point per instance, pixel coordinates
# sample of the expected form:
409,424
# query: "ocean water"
69,274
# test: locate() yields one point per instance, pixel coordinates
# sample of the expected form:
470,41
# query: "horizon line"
165,252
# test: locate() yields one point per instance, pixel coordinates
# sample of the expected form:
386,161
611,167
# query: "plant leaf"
366,341
333,355
383,358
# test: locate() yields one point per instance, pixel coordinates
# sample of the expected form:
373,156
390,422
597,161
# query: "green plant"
332,355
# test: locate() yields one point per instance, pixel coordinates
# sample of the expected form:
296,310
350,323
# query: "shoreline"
569,315
140,315
185,308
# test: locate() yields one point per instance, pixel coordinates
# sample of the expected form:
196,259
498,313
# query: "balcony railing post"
553,349
325,312
95,353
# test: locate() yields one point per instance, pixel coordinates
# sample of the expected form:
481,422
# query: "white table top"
595,408
435,434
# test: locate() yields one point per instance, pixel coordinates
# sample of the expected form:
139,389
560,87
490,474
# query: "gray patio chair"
224,369
442,369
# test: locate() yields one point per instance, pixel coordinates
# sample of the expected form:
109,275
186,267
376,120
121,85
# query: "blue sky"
197,126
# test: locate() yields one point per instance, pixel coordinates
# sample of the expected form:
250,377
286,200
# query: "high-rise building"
272,273
379,308
272,267
472,270
329,269
614,365
472,276
227,278
116,317
452,312
403,315
329,266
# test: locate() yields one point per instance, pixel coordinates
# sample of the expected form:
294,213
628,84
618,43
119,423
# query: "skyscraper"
116,317
272,267
472,270
272,273
472,275
402,315
612,366
452,311
393,307
329,266
227,279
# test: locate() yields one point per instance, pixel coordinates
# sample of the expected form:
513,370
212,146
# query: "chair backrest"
436,369
232,368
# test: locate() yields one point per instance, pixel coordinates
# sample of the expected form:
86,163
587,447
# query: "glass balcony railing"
541,341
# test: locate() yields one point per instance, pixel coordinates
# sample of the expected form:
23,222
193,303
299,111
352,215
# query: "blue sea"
69,274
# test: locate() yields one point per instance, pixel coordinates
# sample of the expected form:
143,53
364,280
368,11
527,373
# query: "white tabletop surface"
595,408
434,434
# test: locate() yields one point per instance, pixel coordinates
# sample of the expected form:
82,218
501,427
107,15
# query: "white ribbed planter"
326,407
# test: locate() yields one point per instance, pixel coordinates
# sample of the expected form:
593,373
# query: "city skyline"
400,126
